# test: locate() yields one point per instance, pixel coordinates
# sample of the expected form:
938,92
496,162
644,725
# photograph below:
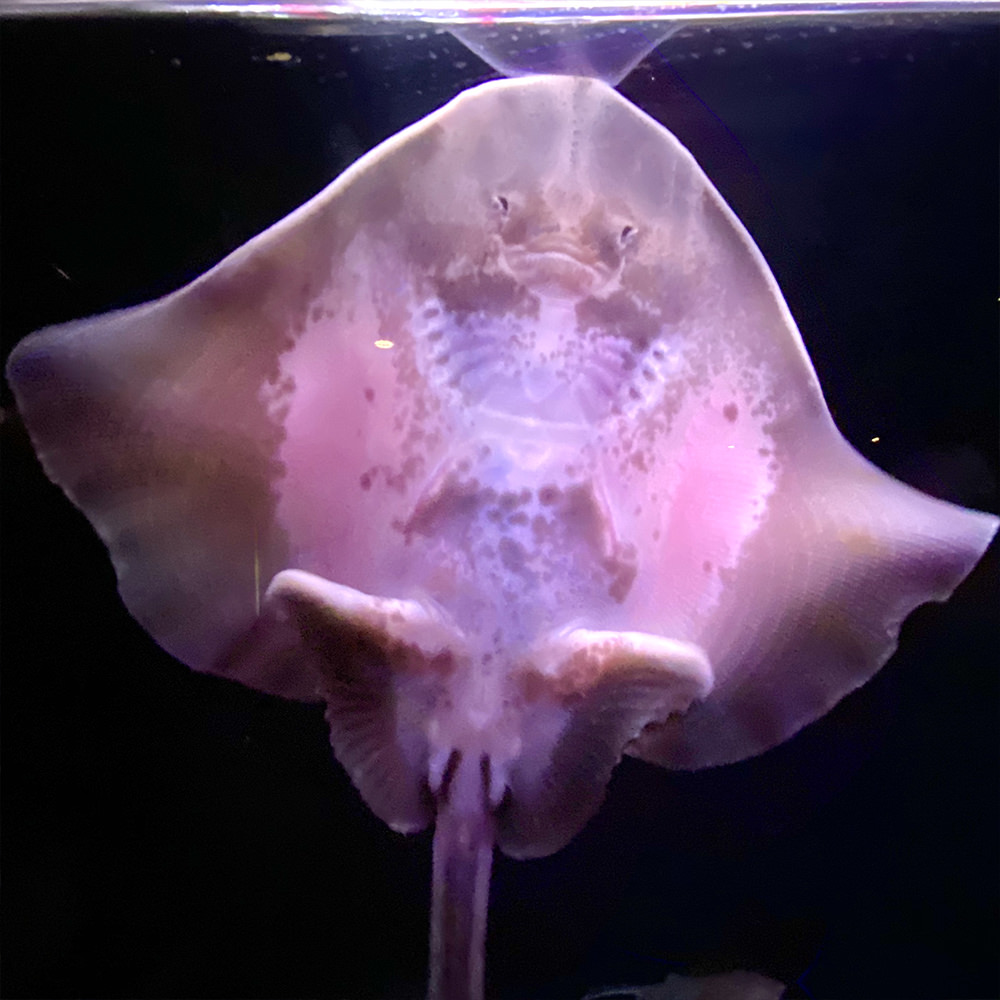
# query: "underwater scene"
170,832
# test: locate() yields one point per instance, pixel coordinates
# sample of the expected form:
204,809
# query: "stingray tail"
463,854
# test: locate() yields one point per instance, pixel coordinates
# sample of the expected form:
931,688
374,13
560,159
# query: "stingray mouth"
556,267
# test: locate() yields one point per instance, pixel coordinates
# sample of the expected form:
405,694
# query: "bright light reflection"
384,344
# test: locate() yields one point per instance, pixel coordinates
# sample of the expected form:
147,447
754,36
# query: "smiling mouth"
556,245
555,267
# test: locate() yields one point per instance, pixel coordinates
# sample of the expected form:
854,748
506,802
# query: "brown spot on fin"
362,651
587,695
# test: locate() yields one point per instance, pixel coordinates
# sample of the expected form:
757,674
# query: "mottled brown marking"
582,673
619,315
480,291
548,495
344,645
624,577
450,511
515,229
533,687
509,500
512,555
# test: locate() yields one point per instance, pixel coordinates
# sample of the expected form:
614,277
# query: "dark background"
167,834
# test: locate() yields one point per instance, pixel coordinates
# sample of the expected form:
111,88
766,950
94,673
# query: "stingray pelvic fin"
381,665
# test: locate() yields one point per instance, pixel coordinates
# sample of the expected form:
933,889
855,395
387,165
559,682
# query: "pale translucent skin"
607,51
507,446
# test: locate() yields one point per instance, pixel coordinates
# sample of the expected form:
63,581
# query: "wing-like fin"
589,694
380,664
814,606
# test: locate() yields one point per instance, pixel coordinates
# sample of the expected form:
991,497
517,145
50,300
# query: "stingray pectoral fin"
381,665
587,695
814,606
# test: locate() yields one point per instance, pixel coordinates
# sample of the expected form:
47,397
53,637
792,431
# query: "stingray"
505,446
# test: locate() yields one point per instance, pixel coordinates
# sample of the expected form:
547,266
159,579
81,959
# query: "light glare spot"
384,345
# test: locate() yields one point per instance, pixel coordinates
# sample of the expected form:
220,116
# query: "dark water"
167,834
